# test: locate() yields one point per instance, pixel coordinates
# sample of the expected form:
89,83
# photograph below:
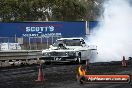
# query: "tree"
68,10
48,10
94,8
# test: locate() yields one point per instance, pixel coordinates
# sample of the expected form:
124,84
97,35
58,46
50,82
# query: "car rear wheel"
79,58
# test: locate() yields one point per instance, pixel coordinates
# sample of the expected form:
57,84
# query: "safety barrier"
19,57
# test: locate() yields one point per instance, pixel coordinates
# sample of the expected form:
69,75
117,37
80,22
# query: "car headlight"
46,54
66,53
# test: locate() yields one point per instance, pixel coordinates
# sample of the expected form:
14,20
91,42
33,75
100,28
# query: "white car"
67,50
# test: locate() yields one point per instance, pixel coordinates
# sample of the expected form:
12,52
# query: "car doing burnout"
67,50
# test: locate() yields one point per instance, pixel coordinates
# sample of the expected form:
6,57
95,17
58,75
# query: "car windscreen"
74,42
57,43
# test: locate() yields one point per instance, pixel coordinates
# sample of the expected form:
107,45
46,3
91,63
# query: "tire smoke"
113,35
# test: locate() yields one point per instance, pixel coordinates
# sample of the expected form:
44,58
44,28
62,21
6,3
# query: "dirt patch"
60,76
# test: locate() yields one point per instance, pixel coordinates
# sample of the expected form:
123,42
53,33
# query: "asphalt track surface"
60,75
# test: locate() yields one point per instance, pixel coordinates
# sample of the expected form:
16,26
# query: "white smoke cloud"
113,36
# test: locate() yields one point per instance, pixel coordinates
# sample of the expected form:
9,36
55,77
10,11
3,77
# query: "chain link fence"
30,43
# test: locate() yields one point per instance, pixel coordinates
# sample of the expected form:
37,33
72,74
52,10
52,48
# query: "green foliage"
45,10
69,10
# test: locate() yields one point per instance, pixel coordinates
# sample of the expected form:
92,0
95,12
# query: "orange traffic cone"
124,64
40,74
